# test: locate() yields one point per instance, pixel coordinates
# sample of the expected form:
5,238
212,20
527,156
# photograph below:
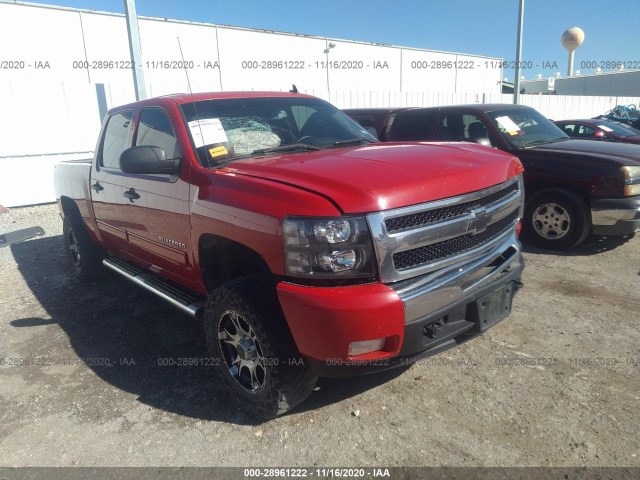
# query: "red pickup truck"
306,247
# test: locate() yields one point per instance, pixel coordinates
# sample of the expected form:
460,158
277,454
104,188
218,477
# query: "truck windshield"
526,128
227,129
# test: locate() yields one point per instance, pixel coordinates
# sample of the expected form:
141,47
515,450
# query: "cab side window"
411,126
461,128
115,139
155,129
586,132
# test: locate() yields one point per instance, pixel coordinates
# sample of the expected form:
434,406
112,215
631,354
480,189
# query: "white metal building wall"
609,83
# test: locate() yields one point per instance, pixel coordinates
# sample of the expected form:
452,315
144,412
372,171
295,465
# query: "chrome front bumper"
431,294
615,216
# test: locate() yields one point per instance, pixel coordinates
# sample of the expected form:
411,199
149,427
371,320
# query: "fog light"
366,346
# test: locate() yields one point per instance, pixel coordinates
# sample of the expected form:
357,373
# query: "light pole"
329,45
516,83
134,49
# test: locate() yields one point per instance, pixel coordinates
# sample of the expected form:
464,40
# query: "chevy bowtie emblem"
478,221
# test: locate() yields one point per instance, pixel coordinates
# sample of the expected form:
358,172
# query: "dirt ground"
81,382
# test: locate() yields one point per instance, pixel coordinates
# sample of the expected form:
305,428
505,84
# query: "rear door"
106,179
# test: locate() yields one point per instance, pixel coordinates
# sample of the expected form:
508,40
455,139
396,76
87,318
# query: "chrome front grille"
420,219
453,246
417,240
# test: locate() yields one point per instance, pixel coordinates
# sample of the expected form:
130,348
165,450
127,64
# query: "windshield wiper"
544,142
285,148
536,142
351,141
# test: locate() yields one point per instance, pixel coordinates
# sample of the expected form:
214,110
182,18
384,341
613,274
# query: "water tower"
572,38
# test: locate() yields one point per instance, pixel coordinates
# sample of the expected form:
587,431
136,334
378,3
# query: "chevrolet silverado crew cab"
306,247
574,187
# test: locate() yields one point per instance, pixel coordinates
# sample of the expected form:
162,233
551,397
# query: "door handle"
131,195
97,187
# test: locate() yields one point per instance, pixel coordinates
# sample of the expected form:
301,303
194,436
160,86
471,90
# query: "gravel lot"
556,384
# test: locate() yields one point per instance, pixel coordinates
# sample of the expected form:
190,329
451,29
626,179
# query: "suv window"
412,126
459,127
115,139
155,129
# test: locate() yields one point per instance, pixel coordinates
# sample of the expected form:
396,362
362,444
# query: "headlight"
631,180
327,248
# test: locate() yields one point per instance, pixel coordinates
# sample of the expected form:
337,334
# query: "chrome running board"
188,302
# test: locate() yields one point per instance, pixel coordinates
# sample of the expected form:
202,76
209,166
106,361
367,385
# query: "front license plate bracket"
492,308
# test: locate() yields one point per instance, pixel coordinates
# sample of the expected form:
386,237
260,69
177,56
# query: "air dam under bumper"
615,216
419,317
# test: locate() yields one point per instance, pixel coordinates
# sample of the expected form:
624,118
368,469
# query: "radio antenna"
184,66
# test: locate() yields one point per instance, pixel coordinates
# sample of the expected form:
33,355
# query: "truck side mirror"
148,159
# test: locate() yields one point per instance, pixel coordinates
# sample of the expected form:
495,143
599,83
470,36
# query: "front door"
156,207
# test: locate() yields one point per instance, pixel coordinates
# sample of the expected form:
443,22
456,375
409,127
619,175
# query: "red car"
603,130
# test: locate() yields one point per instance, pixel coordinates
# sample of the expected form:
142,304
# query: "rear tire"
85,255
557,219
255,354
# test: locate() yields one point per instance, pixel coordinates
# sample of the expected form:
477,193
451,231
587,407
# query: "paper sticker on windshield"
605,128
207,132
217,151
509,125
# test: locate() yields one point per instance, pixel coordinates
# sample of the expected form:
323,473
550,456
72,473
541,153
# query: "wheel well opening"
69,207
532,190
222,260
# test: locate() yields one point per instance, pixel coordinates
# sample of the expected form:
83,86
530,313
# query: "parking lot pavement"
104,374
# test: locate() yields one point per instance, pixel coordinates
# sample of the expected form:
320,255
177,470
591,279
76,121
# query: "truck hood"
384,176
618,153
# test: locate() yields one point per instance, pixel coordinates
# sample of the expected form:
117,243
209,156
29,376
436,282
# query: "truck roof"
182,98
478,107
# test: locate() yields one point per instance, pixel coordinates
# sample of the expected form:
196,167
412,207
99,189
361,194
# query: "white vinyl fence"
552,106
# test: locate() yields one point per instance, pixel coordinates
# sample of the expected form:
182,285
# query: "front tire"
557,219
256,356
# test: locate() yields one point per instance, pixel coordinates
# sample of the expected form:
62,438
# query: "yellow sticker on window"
218,151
